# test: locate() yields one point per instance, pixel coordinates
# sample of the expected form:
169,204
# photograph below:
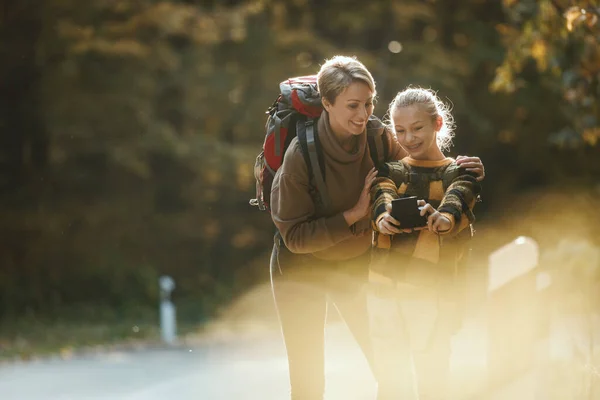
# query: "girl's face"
349,113
417,132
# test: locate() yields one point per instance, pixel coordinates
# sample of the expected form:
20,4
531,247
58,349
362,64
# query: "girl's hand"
388,225
472,164
363,206
436,222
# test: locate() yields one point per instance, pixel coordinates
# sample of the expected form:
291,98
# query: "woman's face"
417,131
349,113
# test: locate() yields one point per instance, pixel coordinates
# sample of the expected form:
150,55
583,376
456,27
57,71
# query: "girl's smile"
416,131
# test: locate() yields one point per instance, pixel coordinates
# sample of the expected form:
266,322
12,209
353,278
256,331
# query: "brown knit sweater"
302,227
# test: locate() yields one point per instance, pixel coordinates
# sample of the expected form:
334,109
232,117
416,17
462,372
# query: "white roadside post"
168,324
511,261
513,312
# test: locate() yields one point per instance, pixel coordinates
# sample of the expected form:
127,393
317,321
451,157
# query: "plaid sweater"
423,257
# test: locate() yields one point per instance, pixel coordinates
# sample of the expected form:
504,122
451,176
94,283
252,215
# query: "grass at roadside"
30,338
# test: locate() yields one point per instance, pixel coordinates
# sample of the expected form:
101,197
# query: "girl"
414,273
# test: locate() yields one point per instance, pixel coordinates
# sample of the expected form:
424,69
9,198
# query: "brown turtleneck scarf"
292,207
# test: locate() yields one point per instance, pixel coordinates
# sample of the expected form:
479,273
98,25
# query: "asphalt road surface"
230,365
249,367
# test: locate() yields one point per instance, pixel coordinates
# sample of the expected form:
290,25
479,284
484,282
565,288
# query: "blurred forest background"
129,129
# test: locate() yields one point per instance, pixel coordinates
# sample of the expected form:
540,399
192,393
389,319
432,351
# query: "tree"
561,41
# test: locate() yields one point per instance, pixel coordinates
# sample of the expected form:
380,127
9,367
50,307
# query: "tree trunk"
23,138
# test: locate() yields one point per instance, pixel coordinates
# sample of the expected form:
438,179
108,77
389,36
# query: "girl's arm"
383,191
459,201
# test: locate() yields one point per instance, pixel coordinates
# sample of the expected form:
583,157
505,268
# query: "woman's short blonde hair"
340,72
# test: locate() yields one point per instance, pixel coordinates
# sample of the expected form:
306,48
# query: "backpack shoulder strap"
449,173
397,171
377,141
306,130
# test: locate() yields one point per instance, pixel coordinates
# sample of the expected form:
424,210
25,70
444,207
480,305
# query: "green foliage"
562,39
127,149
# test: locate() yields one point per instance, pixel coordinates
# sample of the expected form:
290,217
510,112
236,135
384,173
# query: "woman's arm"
294,214
472,165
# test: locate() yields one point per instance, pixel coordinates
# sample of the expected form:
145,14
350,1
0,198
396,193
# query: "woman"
322,255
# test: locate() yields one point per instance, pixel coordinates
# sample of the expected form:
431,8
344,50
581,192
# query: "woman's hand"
472,164
388,225
436,222
363,205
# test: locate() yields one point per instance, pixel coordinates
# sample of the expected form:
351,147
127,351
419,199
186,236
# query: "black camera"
407,211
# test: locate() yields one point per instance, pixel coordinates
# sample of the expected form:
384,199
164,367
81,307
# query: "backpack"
295,113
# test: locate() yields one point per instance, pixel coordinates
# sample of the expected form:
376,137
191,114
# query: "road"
227,364
250,367
245,369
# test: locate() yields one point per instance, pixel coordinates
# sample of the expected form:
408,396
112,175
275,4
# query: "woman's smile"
361,125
